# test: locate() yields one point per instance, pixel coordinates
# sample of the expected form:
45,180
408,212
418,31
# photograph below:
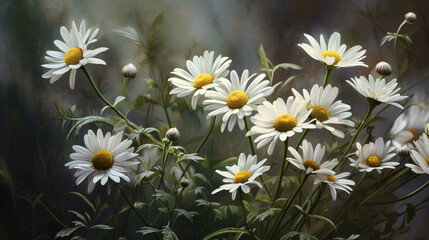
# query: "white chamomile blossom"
378,89
325,110
241,175
420,156
102,158
374,156
334,54
278,121
73,54
237,98
335,182
203,74
311,159
407,127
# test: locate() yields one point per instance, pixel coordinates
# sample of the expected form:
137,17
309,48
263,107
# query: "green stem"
396,36
328,72
282,170
252,150
289,203
249,138
165,109
410,194
124,83
134,209
244,214
52,214
372,104
207,136
384,186
301,138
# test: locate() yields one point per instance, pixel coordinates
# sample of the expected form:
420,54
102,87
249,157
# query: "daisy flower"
278,121
325,110
311,159
102,158
73,53
335,182
407,127
237,98
334,54
374,156
378,89
241,175
203,73
420,156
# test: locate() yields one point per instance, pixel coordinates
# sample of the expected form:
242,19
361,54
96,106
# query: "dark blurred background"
33,148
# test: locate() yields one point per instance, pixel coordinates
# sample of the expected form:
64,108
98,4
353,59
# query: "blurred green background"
34,149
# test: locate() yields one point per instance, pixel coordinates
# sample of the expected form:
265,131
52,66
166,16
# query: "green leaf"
411,212
80,216
86,120
66,232
85,200
326,220
185,214
169,234
269,212
286,66
102,226
263,56
148,230
225,231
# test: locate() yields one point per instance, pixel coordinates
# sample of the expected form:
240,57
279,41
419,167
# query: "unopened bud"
129,71
427,129
138,205
410,17
172,134
383,68
403,151
184,183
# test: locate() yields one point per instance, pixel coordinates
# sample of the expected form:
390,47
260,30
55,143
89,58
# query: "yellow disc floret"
102,160
334,54
242,176
203,79
427,161
237,99
311,164
320,113
330,178
285,122
73,56
373,161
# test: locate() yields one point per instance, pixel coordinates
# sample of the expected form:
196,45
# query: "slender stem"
288,204
396,36
384,186
282,170
249,138
252,150
124,83
328,72
410,194
165,109
52,214
372,105
207,136
134,209
244,214
301,138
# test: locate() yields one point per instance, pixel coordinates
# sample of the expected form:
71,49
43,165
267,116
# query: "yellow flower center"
285,122
73,56
320,113
373,161
312,164
330,178
415,134
427,161
237,99
102,160
203,79
334,54
242,176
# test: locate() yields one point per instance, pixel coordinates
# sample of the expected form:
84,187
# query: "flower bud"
410,17
403,151
427,129
172,134
383,68
138,205
184,183
129,71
